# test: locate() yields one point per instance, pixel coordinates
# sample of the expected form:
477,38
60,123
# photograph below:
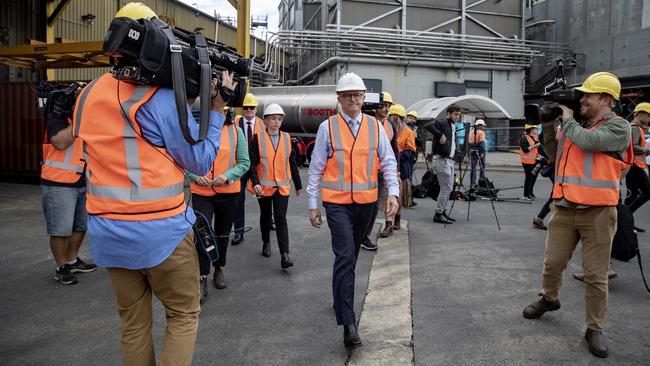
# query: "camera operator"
589,162
139,226
636,179
476,142
528,155
444,149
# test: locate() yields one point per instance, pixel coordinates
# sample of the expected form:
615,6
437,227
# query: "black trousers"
547,205
348,225
240,212
275,206
219,210
639,185
529,181
375,210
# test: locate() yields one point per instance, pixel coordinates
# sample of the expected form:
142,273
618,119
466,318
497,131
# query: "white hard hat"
480,122
350,81
273,108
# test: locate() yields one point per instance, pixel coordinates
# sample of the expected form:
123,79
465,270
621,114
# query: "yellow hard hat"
250,100
136,11
602,82
414,114
397,109
387,97
642,107
527,126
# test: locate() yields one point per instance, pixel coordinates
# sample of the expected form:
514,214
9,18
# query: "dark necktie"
249,132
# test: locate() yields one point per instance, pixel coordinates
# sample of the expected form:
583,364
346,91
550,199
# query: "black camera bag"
625,244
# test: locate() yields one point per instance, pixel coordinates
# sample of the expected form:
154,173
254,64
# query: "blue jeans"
64,209
475,157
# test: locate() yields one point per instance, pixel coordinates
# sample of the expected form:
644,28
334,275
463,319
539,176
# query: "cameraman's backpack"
428,186
625,245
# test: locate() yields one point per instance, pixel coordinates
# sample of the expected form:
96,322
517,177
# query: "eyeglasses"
352,96
248,108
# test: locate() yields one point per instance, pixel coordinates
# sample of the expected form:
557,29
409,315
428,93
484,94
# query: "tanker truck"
305,108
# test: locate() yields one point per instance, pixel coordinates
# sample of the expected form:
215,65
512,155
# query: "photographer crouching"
589,161
140,228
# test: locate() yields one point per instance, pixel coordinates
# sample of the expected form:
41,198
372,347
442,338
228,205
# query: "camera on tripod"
555,93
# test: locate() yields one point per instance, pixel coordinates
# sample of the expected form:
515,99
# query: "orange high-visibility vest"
389,129
273,170
62,166
350,174
530,156
127,177
406,139
476,137
587,178
226,159
639,159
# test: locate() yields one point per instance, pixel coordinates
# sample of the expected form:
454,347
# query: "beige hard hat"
480,122
350,82
273,108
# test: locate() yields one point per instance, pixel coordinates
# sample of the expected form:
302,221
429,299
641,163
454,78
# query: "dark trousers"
639,186
475,159
375,210
240,212
530,179
219,210
275,206
348,225
547,205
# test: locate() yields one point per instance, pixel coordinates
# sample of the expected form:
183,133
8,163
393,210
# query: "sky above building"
259,8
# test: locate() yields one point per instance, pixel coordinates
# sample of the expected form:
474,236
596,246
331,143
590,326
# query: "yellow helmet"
136,11
414,114
250,100
602,82
397,109
642,107
387,97
527,126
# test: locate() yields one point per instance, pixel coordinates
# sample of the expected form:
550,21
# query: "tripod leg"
496,217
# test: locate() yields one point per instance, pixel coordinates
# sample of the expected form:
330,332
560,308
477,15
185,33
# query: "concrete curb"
386,325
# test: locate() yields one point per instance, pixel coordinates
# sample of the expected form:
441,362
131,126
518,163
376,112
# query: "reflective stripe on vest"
62,166
530,156
273,170
580,185
226,159
639,159
345,182
389,129
119,187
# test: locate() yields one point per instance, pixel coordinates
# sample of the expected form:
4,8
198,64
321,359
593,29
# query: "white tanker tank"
305,106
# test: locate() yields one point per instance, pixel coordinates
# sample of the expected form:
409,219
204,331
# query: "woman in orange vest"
273,166
528,155
216,194
406,145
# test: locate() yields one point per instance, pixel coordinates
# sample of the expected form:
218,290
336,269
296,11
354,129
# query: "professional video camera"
540,163
57,99
556,93
150,52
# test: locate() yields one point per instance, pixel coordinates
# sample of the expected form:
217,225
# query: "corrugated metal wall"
21,130
18,22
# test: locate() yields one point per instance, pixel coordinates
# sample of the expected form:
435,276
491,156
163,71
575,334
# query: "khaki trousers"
175,282
595,227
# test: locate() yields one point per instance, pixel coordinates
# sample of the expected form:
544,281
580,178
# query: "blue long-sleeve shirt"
323,149
145,244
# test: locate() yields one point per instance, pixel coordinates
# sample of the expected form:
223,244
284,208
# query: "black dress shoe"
286,262
539,307
238,238
439,218
350,337
367,244
639,230
444,214
266,249
597,343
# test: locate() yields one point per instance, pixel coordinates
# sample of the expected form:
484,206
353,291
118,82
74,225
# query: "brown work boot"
388,230
539,223
597,343
580,276
539,307
396,224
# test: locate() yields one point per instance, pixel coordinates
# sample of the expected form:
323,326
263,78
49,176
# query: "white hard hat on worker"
351,93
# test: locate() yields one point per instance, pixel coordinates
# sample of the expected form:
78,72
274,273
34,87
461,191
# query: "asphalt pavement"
469,283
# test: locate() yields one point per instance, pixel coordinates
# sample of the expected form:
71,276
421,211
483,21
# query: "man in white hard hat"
476,141
349,190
